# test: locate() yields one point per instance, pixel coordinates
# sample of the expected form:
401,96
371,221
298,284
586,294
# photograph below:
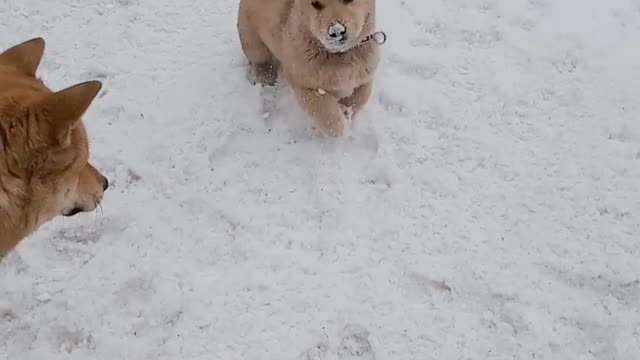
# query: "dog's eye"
347,1
318,5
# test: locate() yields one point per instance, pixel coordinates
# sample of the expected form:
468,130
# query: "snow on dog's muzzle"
337,34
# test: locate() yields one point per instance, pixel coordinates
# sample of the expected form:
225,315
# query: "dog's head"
44,150
337,24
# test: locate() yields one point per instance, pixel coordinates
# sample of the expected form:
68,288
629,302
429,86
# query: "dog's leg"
358,99
263,73
263,66
330,117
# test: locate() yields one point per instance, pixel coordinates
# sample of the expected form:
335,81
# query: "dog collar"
379,37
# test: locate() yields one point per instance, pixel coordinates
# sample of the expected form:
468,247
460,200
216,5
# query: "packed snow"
486,206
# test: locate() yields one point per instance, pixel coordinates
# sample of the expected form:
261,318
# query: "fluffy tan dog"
44,168
323,48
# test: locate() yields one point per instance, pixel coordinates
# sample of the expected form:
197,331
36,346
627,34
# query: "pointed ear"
25,57
65,108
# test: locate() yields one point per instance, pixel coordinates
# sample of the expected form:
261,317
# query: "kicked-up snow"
486,206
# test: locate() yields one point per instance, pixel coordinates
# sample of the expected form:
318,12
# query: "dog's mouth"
83,207
337,47
73,212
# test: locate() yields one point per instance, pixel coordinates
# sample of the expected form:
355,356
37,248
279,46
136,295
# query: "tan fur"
44,168
292,35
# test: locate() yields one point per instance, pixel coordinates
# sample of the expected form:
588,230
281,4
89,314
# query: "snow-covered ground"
487,206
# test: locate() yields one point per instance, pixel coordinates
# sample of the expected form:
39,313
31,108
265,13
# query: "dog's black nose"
105,183
338,32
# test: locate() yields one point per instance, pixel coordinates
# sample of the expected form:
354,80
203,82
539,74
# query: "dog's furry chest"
340,79
341,84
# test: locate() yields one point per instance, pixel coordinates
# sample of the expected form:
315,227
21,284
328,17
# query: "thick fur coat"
320,46
44,153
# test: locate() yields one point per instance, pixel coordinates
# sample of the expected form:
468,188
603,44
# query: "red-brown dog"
44,168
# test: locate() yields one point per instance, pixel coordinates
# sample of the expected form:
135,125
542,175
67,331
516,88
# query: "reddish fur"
44,168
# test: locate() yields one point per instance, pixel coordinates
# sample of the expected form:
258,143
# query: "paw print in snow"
71,340
567,64
353,344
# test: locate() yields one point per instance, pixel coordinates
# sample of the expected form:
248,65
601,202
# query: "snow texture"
487,205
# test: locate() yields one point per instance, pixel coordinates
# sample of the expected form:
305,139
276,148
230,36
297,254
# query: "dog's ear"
24,57
65,108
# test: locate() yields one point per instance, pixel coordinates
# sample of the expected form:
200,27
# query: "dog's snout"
105,183
338,32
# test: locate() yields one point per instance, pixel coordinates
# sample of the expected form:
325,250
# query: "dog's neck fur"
13,226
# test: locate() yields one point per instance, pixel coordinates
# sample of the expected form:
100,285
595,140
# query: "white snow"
487,206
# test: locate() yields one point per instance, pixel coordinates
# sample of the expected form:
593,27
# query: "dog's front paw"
348,113
348,116
338,125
